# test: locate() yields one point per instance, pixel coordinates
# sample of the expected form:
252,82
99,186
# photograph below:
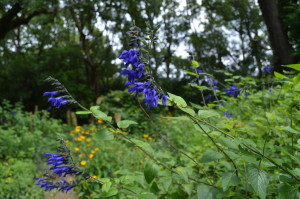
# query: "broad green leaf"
182,172
179,101
103,135
125,123
258,180
287,129
196,106
83,112
278,75
288,192
111,192
106,186
146,195
207,113
99,114
294,66
166,182
183,118
230,143
195,64
210,156
188,188
150,172
285,178
206,192
146,146
229,179
188,110
154,188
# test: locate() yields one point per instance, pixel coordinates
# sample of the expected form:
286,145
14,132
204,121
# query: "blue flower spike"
143,85
55,101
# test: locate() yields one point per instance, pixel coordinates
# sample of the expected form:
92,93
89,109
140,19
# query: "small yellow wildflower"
83,162
93,152
89,139
146,135
82,137
94,176
80,155
104,127
100,121
96,149
89,145
91,156
77,149
67,141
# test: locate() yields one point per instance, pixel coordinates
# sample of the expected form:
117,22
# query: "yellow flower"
100,121
89,145
91,156
91,129
80,155
146,135
125,133
82,137
83,162
94,176
77,149
93,152
104,127
67,141
96,149
146,158
89,139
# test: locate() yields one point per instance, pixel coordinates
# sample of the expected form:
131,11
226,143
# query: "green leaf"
99,114
83,112
188,111
210,155
103,135
106,186
144,145
228,143
191,73
166,183
195,64
288,192
229,179
154,188
146,195
294,66
150,171
182,172
111,192
125,123
207,113
288,129
258,180
179,101
278,75
183,118
206,192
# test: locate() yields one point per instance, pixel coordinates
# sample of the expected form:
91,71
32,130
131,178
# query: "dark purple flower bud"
164,99
199,70
208,99
52,93
232,91
268,69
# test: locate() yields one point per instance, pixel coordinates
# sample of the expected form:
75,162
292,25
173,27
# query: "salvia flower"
199,70
62,185
138,81
228,115
55,101
268,69
232,91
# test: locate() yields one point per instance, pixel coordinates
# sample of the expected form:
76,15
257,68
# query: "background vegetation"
78,42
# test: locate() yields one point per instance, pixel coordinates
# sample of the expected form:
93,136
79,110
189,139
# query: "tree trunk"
282,49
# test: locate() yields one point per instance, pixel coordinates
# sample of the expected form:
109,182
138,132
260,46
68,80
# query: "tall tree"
281,47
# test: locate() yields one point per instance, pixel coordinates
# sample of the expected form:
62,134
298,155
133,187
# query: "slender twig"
169,143
218,147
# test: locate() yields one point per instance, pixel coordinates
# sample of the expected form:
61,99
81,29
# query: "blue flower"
62,170
268,69
130,57
271,89
136,73
63,185
232,91
55,101
228,115
55,159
